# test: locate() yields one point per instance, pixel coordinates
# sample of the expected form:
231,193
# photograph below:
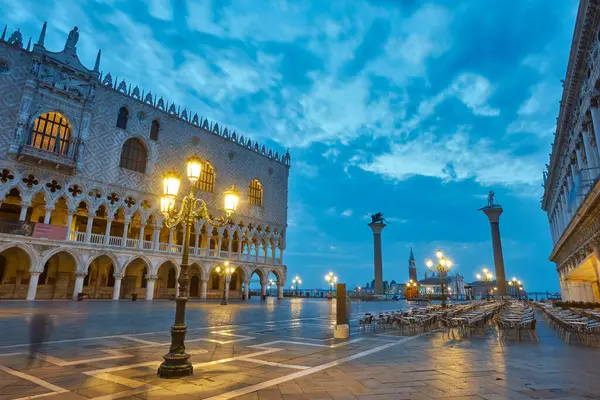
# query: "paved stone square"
275,350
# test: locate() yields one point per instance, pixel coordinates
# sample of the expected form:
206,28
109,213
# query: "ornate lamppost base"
223,302
175,366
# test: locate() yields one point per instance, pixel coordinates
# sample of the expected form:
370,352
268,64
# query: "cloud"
347,213
454,157
306,169
331,153
161,9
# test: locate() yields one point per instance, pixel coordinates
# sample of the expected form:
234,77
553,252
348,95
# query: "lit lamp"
225,273
296,281
487,277
176,362
331,278
442,265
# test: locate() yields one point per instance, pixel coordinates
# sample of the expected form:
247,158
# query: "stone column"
88,227
109,220
150,279
33,284
48,215
257,251
589,154
125,232
263,286
203,288
584,175
246,289
377,227
69,224
117,287
595,111
595,244
280,291
155,237
493,214
220,231
23,214
78,284
141,237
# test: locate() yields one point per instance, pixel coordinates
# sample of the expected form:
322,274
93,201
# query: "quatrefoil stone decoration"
30,181
75,190
113,198
53,186
6,176
130,201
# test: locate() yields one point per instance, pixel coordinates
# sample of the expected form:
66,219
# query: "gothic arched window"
207,179
122,118
51,132
233,282
255,193
133,156
154,130
171,278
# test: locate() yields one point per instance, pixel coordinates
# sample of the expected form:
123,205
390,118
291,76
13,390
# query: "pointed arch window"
122,118
154,130
255,193
133,155
207,179
51,132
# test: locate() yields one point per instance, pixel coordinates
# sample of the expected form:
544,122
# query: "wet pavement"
275,350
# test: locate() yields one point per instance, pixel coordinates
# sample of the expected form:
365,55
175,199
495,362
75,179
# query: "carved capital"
151,277
118,275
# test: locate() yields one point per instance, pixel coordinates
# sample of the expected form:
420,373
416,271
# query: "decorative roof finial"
412,257
42,38
97,65
29,44
4,32
72,41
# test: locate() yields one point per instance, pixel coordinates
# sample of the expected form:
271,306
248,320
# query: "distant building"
453,285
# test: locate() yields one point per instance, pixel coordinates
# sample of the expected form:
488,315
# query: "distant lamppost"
225,273
297,281
487,277
332,279
517,285
412,289
443,265
359,290
176,362
271,284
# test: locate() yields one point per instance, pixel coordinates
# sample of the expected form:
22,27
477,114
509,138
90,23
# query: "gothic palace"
81,163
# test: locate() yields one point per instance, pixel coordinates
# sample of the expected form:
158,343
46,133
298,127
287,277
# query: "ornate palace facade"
81,162
571,185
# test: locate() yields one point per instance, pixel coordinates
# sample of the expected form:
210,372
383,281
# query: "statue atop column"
72,40
377,218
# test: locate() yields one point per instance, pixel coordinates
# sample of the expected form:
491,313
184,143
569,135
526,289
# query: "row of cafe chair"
415,319
584,323
517,316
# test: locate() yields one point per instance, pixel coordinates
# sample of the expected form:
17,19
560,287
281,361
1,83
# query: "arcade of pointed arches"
63,272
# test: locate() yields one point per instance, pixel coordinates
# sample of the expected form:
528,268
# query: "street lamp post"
411,289
296,281
517,285
332,279
176,362
271,284
487,277
225,273
443,265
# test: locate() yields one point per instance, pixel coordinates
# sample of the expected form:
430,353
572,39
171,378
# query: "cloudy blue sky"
412,108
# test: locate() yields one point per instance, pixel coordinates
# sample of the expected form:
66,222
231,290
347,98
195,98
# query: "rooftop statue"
378,218
72,39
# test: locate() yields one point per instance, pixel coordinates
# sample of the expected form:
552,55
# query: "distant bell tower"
412,267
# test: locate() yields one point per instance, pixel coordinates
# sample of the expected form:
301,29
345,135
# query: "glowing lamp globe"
171,182
231,199
194,167
166,204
